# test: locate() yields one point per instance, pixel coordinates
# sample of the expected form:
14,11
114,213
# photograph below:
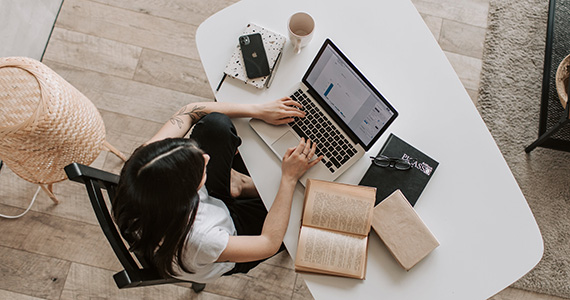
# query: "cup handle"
297,48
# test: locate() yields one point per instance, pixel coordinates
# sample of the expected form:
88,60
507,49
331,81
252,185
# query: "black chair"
133,275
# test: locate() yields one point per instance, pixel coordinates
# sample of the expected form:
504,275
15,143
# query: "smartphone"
254,56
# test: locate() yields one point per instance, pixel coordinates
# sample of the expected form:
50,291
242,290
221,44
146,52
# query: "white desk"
473,205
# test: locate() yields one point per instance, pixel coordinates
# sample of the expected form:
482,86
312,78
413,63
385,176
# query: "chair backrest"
95,181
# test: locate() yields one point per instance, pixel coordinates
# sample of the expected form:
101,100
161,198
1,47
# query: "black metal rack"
552,130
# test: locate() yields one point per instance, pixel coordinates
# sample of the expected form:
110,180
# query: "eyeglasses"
385,161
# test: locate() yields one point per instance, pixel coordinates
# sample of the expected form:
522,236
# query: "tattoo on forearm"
196,113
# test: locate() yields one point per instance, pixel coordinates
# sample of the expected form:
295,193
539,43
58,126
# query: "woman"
181,205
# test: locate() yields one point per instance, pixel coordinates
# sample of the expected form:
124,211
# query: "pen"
270,79
221,81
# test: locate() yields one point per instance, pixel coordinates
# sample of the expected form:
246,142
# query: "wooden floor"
137,61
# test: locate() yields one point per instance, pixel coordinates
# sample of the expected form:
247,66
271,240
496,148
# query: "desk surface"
473,205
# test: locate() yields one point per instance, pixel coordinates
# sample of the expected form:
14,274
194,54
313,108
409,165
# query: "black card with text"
388,179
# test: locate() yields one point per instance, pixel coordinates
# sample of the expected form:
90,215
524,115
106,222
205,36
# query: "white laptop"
345,115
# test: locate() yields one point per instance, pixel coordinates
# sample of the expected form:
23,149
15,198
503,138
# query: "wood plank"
92,53
282,259
15,296
301,291
173,72
474,94
128,133
266,281
270,282
462,38
187,11
472,12
434,24
229,286
59,238
134,28
31,274
125,96
74,204
263,282
85,282
467,68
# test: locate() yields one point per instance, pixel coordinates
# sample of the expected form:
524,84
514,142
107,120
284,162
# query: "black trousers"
217,136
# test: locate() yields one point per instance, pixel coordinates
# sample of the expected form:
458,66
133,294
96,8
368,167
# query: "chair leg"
49,191
109,147
198,287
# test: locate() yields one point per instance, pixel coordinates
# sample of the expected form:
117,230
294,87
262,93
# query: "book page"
340,207
333,252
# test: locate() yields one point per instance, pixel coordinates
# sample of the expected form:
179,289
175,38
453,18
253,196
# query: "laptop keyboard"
334,147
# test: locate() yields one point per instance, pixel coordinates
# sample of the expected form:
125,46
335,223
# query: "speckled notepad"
273,43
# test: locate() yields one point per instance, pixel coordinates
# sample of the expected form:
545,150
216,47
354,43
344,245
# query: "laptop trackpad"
285,142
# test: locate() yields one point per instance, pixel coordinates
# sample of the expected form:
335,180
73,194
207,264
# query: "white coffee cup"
301,28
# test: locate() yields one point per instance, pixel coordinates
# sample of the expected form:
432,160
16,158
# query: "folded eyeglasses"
392,162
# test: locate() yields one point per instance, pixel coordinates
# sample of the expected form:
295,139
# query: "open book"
334,232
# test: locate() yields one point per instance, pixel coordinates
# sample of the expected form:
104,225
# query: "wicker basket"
561,79
45,123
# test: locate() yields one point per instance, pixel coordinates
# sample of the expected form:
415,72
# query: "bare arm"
250,248
276,112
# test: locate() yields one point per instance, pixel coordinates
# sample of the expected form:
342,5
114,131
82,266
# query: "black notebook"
388,179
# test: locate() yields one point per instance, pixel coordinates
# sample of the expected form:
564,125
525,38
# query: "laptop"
345,115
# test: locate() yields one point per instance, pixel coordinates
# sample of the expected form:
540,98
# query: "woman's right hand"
297,160
278,112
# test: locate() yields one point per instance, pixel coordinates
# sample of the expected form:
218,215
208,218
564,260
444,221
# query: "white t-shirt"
207,239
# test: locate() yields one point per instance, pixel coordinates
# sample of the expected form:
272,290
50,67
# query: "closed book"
402,230
388,179
273,43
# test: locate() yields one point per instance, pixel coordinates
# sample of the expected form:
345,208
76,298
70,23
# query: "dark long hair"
157,199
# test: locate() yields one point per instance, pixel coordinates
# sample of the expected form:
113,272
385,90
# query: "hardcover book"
336,221
388,179
402,230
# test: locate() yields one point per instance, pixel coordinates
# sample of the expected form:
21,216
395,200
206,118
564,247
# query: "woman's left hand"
281,111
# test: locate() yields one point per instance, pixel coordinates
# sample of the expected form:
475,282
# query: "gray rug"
509,102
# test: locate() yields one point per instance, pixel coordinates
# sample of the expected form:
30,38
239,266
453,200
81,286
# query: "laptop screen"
348,95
